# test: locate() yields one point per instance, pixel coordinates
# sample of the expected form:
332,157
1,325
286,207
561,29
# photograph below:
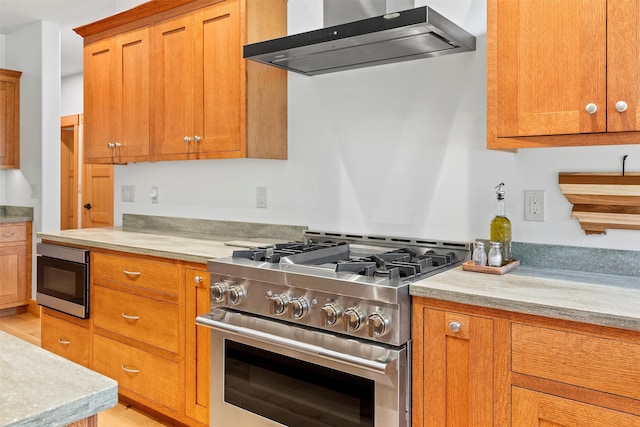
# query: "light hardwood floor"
27,327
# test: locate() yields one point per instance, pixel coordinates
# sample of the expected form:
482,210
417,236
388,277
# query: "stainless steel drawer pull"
130,317
8,234
131,273
63,342
131,371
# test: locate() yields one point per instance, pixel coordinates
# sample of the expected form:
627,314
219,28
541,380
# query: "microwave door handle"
383,368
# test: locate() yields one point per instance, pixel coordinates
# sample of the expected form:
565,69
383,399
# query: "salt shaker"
495,255
479,255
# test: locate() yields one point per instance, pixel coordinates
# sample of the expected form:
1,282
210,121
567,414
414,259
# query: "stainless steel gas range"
318,332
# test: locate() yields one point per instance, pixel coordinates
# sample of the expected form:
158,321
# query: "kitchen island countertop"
600,299
40,388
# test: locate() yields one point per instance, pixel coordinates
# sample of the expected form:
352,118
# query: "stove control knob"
298,308
236,294
352,319
329,314
218,291
278,304
378,325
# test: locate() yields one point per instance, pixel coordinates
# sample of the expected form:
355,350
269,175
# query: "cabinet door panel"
623,65
549,70
198,346
132,93
218,58
173,90
457,371
13,267
533,409
9,122
99,101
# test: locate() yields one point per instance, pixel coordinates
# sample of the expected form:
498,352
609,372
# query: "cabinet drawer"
150,376
143,319
608,365
13,233
133,271
65,339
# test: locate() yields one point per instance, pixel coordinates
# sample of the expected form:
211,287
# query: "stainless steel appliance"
318,333
63,279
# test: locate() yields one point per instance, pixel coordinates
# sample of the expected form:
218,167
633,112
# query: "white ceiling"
16,14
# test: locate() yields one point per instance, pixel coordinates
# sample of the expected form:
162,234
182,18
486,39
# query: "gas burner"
351,285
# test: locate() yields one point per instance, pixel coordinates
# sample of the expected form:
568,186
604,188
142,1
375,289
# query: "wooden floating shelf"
603,200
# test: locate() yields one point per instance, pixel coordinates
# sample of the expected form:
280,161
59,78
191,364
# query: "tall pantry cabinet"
180,89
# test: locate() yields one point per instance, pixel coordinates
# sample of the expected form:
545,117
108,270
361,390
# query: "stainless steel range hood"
392,37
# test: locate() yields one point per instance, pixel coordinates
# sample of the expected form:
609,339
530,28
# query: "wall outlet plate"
534,205
128,193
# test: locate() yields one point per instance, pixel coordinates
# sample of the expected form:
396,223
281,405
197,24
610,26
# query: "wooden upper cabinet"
116,96
9,119
203,101
559,71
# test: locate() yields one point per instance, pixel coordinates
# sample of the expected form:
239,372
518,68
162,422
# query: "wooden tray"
470,266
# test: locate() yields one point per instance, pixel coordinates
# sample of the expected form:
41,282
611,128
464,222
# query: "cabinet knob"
110,145
591,108
196,138
454,326
187,139
621,106
197,280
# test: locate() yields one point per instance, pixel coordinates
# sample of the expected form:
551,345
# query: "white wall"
71,101
397,149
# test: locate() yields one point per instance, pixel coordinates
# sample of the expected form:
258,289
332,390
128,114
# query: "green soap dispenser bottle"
500,230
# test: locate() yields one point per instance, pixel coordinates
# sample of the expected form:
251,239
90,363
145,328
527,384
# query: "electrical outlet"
154,194
128,193
534,209
261,197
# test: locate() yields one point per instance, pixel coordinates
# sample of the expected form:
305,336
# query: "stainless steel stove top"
349,284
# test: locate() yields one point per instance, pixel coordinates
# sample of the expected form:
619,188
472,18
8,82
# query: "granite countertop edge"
43,388
598,299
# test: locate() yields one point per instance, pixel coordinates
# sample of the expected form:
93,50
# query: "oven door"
63,279
265,373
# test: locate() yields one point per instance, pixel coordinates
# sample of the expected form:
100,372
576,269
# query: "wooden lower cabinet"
140,374
534,409
15,264
198,348
453,369
66,336
476,366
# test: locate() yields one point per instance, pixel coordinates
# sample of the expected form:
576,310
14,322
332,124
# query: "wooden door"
97,196
99,101
132,96
69,133
218,78
198,345
551,63
173,88
452,369
534,409
623,65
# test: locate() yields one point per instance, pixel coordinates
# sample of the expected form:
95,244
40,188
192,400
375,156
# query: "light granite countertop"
40,388
166,245
600,299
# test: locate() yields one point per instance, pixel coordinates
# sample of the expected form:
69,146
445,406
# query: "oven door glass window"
62,279
294,392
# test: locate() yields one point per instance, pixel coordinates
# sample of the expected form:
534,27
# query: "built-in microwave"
63,279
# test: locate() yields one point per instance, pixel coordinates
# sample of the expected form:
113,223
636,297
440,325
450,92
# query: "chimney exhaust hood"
393,37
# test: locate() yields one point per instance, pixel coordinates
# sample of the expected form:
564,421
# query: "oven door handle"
384,368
